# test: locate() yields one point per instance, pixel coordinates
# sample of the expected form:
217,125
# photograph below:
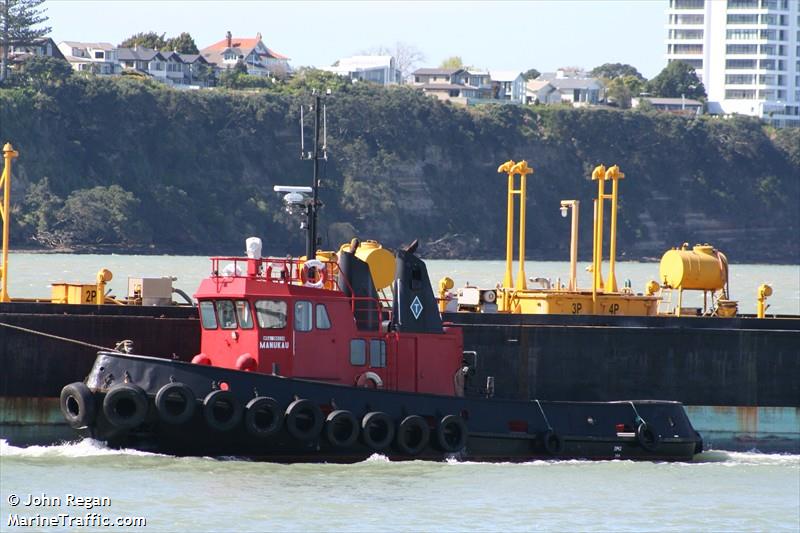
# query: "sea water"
718,492
31,275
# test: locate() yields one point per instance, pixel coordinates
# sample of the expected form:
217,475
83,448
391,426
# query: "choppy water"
31,275
720,492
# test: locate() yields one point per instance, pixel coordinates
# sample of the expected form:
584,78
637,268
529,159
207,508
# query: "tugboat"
301,360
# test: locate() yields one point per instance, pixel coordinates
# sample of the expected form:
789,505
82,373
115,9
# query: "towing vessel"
738,376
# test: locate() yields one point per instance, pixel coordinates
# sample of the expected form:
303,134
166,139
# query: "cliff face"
123,165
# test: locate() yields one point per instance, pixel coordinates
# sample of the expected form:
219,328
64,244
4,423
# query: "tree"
43,71
531,74
183,44
676,80
18,19
612,71
148,39
621,89
452,62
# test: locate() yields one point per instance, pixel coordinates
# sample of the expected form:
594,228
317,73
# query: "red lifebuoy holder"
313,274
247,363
201,359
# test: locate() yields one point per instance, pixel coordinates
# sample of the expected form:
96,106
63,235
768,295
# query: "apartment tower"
746,52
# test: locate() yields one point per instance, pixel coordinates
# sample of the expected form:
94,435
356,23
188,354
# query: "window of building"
741,35
377,353
243,314
739,79
688,4
303,316
358,352
208,317
768,18
742,18
766,79
780,94
769,4
688,49
271,314
768,49
741,49
740,63
688,19
767,64
226,314
742,4
740,94
686,34
323,322
99,54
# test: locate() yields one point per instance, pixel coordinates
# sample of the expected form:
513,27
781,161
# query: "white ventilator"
253,246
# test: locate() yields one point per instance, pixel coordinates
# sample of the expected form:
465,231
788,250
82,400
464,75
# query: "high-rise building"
746,52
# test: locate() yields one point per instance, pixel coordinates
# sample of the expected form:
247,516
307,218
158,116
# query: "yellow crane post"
9,154
523,170
598,175
508,279
614,175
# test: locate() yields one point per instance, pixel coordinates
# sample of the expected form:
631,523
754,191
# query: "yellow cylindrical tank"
380,260
701,268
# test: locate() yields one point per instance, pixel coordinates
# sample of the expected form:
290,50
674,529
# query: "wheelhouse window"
377,353
303,317
323,322
271,314
243,314
358,352
226,314
208,317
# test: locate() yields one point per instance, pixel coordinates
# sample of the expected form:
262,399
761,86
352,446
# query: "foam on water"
82,448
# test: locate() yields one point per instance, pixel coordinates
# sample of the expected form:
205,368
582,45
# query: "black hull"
496,429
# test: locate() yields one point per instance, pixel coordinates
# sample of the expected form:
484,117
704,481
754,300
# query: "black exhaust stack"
415,307
355,279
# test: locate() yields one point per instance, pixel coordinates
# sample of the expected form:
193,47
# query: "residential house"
380,69
197,71
444,83
17,53
575,86
174,66
98,58
259,59
541,92
143,60
677,106
481,80
511,85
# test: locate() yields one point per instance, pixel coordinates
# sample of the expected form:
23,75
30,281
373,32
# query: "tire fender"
125,405
413,435
341,429
212,417
166,405
267,408
78,405
451,434
303,420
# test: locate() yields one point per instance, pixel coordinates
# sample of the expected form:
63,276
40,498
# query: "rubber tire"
335,418
408,424
162,397
377,418
448,423
262,403
124,391
648,439
208,410
552,442
293,413
84,401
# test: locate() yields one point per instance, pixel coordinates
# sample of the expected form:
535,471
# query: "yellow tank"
701,268
380,260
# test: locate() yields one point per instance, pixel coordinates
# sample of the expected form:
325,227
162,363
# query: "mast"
311,235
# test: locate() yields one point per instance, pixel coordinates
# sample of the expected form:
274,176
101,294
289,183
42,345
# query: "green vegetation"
675,80
18,21
183,43
126,164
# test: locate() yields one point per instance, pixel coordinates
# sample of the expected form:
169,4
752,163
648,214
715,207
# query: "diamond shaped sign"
416,307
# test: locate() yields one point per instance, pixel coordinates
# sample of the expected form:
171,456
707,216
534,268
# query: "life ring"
303,420
341,428
647,437
377,430
451,434
369,380
319,268
222,410
412,435
552,442
262,417
175,403
125,405
77,405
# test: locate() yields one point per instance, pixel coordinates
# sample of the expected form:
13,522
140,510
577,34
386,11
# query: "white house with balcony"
380,69
259,59
511,85
97,58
